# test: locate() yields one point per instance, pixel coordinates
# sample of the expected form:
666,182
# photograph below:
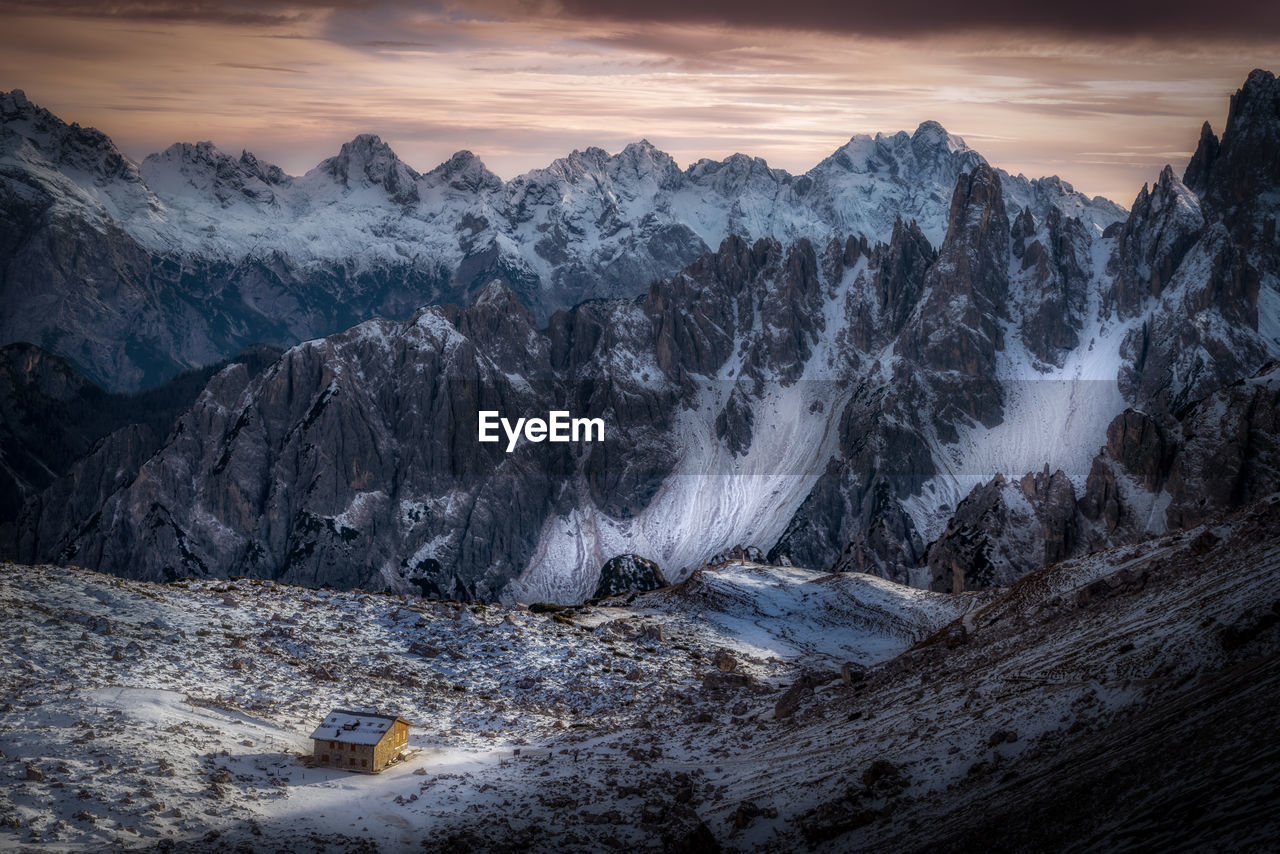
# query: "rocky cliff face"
1200,263
1003,530
1163,225
1153,475
1233,175
44,405
1055,264
853,517
1228,452
322,467
947,315
52,419
354,461
1174,473
957,328
1194,311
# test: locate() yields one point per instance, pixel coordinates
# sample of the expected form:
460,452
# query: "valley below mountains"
1123,700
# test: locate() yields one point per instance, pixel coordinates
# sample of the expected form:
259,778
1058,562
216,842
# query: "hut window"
324,758
364,763
351,761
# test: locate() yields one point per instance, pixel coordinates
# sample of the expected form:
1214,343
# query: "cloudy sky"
1101,92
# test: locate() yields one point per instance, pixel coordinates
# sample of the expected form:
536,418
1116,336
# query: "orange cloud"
294,83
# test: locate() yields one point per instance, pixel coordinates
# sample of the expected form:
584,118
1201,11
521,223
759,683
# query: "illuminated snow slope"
712,502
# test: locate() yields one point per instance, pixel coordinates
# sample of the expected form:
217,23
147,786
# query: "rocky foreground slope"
1122,701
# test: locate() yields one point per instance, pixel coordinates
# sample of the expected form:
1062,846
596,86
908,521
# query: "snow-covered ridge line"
194,252
366,203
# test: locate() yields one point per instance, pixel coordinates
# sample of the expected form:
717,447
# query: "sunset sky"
1101,93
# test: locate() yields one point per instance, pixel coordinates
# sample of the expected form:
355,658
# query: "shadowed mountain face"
51,417
135,272
924,399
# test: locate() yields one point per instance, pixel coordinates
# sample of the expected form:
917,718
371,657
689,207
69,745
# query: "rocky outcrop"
950,307
1163,224
1220,453
887,544
1237,177
328,468
942,318
1202,336
900,267
1055,266
1004,529
1136,441
968,285
890,287
628,574
77,498
1135,460
749,554
790,308
1054,501
853,517
956,329
1228,452
1208,253
1196,175
54,422
763,296
696,315
1153,475
47,415
735,423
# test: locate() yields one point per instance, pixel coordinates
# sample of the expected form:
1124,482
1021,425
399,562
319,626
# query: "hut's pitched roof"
354,727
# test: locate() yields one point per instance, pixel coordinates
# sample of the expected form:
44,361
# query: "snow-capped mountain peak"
932,136
202,169
367,161
929,149
466,172
643,160
84,153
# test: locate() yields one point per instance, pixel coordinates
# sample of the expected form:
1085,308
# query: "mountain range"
904,362
139,271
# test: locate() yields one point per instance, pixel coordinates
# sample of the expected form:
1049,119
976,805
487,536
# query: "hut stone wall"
369,758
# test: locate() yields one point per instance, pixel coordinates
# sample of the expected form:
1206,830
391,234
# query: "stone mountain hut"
360,741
